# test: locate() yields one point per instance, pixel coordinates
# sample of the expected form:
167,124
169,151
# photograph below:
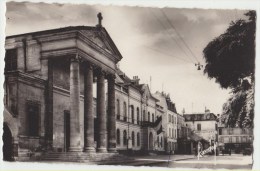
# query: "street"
235,161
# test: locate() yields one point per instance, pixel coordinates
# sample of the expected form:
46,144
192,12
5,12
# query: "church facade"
64,93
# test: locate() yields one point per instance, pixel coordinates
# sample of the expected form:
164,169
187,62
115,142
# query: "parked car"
247,151
226,151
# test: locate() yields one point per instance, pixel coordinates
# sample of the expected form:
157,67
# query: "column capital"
89,66
111,76
100,71
76,58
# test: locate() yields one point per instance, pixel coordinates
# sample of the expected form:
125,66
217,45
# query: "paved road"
222,162
190,161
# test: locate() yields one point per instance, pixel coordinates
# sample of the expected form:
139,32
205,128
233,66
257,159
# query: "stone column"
101,113
111,120
74,105
49,107
88,110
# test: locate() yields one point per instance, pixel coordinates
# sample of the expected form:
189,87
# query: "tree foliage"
238,111
231,56
230,59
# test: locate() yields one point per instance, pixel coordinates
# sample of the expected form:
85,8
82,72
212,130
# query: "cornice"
26,77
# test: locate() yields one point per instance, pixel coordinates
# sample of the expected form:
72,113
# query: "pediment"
101,39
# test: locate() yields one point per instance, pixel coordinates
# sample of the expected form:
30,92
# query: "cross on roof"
100,18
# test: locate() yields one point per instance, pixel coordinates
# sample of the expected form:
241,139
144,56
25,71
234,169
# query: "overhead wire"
164,53
171,36
187,46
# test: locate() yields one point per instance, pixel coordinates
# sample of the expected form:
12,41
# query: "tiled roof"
200,117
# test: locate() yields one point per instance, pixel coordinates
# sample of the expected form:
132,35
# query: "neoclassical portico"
106,139
91,52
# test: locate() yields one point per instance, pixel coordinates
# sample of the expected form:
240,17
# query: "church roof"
93,29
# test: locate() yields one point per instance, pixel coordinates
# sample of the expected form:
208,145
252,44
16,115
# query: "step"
81,157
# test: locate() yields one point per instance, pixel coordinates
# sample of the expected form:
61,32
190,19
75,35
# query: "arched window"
152,117
118,108
137,115
118,136
138,139
158,141
161,142
132,114
149,117
124,137
133,138
125,112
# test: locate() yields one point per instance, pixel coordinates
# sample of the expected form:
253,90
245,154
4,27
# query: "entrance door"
66,131
150,141
7,146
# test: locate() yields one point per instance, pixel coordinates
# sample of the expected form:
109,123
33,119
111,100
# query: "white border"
209,4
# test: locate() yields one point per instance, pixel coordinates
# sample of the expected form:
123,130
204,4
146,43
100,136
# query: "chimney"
207,111
135,80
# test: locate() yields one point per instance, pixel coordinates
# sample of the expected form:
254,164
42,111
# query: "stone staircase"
24,154
83,157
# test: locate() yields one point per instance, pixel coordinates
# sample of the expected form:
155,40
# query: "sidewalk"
144,160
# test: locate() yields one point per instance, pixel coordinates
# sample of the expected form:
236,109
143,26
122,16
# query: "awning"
195,137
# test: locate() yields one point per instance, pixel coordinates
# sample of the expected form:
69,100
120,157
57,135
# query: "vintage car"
247,151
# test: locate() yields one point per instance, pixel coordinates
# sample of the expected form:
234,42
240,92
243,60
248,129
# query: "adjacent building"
169,120
203,124
235,140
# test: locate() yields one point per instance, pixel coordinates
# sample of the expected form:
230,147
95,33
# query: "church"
64,94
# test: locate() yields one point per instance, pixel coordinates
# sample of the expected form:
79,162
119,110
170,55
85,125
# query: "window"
137,115
132,114
118,108
220,131
243,139
237,140
138,139
230,131
124,137
149,116
133,138
199,127
169,117
125,112
161,142
152,117
11,60
143,115
118,137
33,111
158,142
169,132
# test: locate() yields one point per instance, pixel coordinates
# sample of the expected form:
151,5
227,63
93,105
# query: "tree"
230,59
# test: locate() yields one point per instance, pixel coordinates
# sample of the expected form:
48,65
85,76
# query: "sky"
154,47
